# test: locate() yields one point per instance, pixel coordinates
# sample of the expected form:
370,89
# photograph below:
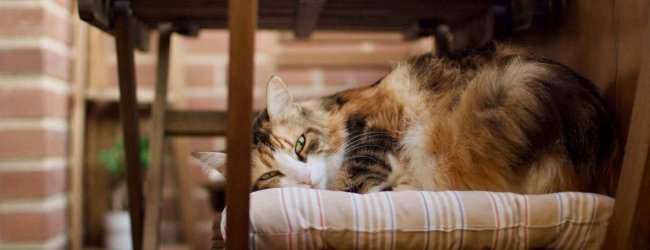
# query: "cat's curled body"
490,119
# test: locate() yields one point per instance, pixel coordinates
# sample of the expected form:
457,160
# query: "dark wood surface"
381,15
155,178
630,223
308,13
243,22
604,41
195,123
124,43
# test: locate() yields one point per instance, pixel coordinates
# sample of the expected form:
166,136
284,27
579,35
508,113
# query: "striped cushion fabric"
296,218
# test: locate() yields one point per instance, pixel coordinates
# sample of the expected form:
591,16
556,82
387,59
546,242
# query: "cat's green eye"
300,144
269,175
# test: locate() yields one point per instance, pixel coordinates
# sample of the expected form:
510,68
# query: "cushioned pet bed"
295,218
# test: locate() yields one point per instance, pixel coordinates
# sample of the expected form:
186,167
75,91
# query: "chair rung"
195,123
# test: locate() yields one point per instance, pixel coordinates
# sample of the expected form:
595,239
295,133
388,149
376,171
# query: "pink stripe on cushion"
286,213
497,220
426,216
525,222
321,216
462,220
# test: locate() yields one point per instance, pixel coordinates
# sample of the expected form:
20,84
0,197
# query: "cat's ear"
212,162
278,98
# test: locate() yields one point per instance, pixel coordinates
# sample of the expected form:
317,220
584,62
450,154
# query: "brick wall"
35,64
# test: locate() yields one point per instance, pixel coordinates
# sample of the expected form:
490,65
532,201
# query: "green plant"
113,158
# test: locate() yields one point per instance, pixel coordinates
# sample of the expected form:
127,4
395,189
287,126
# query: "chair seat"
296,218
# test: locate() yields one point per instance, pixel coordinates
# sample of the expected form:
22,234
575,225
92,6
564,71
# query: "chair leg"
157,146
243,21
124,42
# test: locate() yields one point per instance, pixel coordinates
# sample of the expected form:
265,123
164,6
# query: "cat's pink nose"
306,180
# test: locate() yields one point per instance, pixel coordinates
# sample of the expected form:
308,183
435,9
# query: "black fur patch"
334,102
260,136
355,124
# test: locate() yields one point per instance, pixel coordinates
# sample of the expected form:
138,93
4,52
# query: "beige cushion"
295,218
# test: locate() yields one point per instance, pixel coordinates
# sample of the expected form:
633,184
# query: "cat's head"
294,144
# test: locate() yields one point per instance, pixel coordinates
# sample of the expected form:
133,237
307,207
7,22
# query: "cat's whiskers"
362,156
349,150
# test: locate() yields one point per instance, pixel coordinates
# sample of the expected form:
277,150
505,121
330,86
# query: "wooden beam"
155,171
242,20
195,123
77,133
124,43
185,187
630,222
307,17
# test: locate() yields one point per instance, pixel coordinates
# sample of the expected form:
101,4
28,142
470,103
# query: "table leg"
155,171
124,42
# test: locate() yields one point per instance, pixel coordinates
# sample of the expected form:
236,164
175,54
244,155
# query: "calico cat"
494,119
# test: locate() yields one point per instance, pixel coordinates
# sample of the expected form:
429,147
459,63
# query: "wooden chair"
129,21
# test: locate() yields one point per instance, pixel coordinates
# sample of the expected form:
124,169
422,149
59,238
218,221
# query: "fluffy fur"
490,119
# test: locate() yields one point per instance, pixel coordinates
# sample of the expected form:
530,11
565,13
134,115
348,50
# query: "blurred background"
43,60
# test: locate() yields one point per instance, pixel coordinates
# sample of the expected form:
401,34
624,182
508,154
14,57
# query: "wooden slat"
78,130
124,42
307,17
157,138
630,223
243,21
185,186
195,123
100,135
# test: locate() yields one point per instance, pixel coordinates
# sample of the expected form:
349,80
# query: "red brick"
297,47
217,42
21,21
20,184
207,103
263,72
32,143
266,41
57,27
208,41
201,144
34,61
200,74
353,76
353,47
26,103
32,226
296,75
24,22
218,103
145,74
